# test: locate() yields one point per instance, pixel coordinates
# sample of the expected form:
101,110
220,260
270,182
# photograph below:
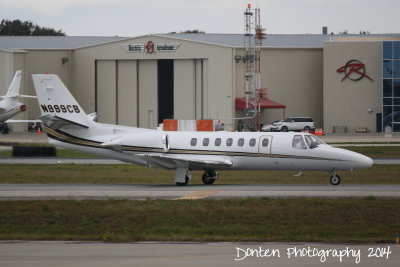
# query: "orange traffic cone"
39,131
319,131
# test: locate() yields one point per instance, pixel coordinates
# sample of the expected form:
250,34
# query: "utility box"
170,125
205,125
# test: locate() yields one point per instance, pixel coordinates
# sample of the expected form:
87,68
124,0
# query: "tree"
18,28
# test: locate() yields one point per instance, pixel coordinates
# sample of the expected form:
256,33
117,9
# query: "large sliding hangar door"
144,92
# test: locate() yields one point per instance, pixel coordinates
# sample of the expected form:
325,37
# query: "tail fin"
57,103
15,85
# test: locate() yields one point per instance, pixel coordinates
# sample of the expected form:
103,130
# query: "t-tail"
58,106
15,85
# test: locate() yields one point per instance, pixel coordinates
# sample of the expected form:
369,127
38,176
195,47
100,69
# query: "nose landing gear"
209,177
335,179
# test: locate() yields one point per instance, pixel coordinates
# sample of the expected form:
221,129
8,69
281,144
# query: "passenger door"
264,145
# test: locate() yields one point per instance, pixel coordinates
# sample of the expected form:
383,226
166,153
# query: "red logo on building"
353,70
149,47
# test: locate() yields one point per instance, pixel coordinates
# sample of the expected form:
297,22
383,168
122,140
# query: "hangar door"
142,93
116,92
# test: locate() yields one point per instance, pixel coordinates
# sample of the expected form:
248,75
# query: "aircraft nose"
364,161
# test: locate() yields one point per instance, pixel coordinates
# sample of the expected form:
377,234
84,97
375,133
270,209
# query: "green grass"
133,174
267,220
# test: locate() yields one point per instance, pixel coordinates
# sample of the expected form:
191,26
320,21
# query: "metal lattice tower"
253,36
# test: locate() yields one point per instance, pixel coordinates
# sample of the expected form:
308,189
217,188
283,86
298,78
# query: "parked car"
268,127
294,124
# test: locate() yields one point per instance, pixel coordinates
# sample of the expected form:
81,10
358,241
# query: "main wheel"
284,129
209,177
184,183
335,179
307,128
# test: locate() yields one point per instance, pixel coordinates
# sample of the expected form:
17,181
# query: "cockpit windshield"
313,141
298,142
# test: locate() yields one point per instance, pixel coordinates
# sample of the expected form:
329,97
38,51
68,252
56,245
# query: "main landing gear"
335,179
209,177
183,176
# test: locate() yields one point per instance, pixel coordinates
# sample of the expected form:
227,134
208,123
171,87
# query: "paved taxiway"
191,191
58,253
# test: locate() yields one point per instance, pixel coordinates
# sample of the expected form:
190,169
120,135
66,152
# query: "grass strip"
133,174
267,220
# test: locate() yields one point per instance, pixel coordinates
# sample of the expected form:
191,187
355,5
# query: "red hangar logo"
354,70
149,47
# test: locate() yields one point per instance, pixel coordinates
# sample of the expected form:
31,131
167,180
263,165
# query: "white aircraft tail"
58,106
15,85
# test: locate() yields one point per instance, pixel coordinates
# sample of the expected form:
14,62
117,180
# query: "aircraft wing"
169,161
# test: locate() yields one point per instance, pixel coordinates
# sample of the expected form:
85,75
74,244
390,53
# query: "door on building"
165,89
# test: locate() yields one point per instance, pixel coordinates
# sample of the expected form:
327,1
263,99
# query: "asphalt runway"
173,192
59,253
113,161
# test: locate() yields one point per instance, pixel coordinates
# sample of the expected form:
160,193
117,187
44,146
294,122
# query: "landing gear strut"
335,179
182,176
209,177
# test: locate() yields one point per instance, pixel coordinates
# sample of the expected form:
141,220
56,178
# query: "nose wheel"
209,177
335,179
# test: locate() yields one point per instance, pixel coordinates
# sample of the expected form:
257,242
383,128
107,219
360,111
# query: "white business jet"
9,105
68,126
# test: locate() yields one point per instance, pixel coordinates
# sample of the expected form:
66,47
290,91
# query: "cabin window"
313,141
193,142
218,142
229,141
240,142
298,142
265,142
252,142
206,141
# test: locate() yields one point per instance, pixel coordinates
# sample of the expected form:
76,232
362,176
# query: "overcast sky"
134,17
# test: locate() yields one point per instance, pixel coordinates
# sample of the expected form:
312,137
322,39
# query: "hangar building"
344,82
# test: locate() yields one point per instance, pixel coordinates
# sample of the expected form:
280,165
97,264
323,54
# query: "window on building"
193,142
391,85
396,50
229,142
218,142
387,50
387,88
387,69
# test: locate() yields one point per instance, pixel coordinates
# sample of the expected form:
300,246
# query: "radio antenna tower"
253,36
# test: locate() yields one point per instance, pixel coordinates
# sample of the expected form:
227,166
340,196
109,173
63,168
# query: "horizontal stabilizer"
55,122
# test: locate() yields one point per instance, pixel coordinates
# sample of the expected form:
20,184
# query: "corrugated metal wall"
293,78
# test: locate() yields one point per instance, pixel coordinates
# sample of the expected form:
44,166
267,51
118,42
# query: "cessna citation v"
9,105
68,126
